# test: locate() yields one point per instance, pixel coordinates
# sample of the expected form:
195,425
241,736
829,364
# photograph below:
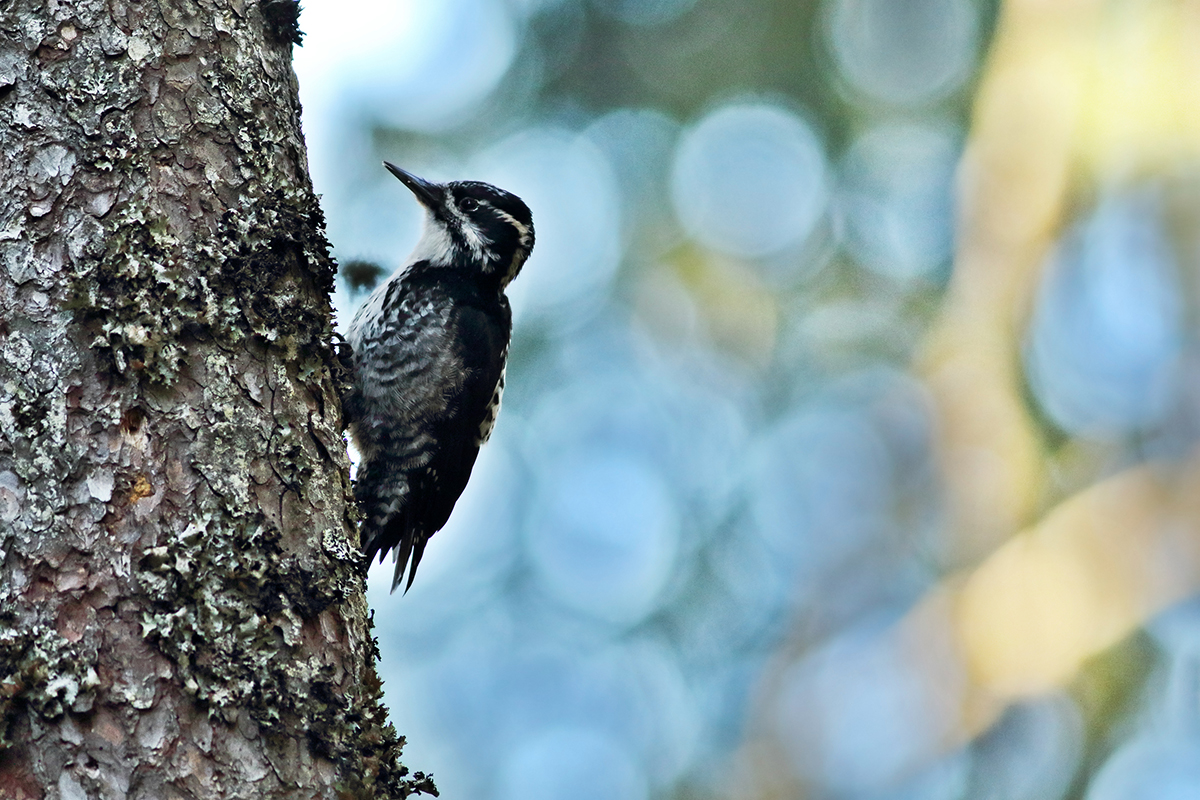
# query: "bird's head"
471,225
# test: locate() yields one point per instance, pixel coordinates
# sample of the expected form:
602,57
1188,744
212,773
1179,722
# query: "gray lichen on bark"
181,610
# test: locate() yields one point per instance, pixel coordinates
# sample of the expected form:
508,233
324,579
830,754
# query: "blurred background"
849,448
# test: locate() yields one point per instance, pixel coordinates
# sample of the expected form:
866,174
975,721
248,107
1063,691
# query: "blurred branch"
1094,569
1054,109
1013,184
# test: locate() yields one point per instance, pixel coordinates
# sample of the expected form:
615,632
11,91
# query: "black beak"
428,193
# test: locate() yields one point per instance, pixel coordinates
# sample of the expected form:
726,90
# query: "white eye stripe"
475,239
522,229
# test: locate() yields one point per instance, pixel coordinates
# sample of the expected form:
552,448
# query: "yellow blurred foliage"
727,303
1076,96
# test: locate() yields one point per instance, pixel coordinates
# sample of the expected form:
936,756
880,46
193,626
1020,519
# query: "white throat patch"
435,244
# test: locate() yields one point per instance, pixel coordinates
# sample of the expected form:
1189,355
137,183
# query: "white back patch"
493,409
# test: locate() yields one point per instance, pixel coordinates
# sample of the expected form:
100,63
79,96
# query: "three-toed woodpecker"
430,346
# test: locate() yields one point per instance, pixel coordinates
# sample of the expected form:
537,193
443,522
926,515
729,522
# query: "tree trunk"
181,607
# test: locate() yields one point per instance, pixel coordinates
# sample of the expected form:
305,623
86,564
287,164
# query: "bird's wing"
430,380
407,373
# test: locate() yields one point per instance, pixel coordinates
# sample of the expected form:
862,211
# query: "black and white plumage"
430,346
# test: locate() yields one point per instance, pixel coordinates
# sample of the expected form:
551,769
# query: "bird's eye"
469,204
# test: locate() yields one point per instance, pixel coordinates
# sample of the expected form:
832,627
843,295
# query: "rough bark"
181,609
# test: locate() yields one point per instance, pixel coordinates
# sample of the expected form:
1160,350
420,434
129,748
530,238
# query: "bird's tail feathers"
407,552
405,541
389,520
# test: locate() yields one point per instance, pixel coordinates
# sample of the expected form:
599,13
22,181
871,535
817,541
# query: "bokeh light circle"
638,143
1108,331
1033,751
1146,769
421,65
570,187
855,716
904,53
895,207
574,762
821,488
606,533
749,180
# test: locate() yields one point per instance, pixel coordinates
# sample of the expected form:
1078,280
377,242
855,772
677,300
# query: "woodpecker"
430,346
